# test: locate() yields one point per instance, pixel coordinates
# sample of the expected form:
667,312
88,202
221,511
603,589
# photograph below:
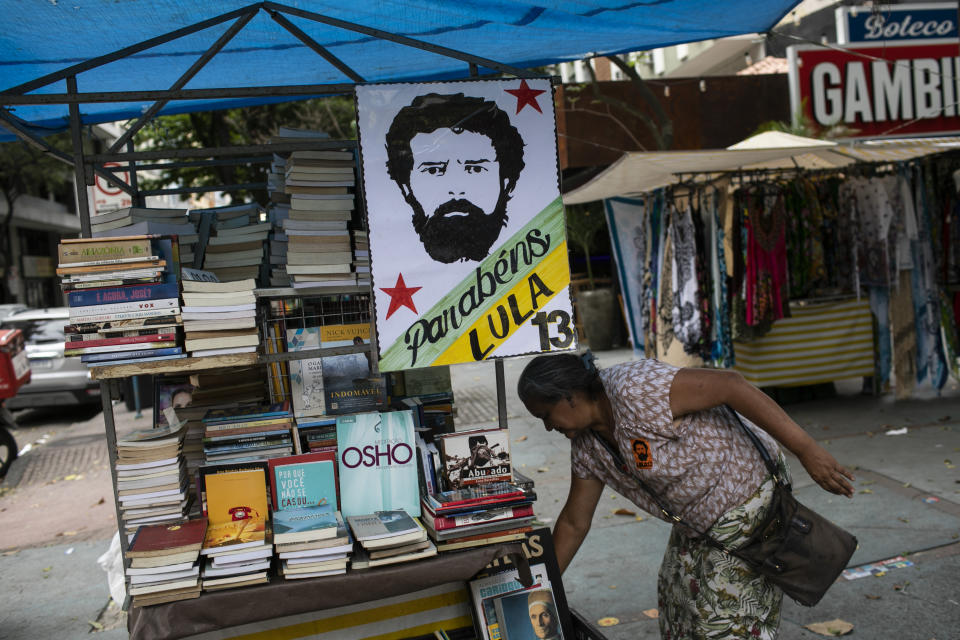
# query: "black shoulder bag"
794,547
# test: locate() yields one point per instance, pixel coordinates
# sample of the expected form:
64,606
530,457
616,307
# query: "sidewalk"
53,585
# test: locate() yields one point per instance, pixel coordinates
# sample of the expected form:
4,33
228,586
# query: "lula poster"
467,239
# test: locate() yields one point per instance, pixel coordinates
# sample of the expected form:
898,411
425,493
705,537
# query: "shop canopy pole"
79,172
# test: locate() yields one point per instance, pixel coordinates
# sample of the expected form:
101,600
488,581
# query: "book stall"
304,463
804,250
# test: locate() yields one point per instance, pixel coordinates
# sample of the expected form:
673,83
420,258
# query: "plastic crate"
14,366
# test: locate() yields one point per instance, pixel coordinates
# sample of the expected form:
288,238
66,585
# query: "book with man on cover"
475,457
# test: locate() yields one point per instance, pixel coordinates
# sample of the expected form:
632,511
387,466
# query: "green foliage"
585,226
802,125
238,127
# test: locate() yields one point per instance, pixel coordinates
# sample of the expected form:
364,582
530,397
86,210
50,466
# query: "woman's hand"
826,471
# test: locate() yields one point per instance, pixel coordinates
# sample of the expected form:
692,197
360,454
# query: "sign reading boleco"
897,22
878,90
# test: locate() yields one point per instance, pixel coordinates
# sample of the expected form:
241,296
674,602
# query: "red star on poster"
400,296
526,96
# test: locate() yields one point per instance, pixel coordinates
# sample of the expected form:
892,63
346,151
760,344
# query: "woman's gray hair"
557,377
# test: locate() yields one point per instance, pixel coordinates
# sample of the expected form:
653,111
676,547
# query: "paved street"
57,516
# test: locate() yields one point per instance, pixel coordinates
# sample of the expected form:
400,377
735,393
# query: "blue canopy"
43,37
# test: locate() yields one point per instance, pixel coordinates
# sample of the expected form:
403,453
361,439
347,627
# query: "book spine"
106,357
261,436
242,446
216,424
118,348
124,307
119,262
123,294
245,435
100,284
87,252
110,268
126,315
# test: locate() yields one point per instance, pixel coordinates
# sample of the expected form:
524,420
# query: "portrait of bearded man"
456,160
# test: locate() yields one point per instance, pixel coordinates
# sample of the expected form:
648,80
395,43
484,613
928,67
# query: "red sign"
888,90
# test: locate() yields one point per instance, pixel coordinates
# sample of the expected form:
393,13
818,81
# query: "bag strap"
665,510
764,454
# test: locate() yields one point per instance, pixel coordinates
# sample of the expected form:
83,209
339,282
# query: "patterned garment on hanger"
687,324
807,267
721,352
874,215
931,364
767,296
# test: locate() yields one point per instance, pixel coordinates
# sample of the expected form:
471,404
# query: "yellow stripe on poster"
425,629
360,618
515,308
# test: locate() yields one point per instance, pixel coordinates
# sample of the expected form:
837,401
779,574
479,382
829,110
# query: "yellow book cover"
236,495
237,534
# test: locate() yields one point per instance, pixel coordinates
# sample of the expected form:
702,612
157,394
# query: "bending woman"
670,427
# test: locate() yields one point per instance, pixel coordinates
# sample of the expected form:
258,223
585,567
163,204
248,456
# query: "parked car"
8,309
56,380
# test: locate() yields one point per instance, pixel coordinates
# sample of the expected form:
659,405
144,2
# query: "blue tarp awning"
41,37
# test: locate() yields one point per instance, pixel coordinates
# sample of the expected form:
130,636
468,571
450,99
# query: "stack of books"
124,299
163,562
238,547
235,247
480,515
151,477
219,317
311,542
308,532
143,221
260,432
278,210
318,434
319,185
388,537
361,257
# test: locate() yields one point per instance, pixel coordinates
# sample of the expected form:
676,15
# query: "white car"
55,380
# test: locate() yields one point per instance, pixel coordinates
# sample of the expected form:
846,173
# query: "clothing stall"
793,261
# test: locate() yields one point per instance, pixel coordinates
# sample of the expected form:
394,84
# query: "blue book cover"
216,416
128,293
131,355
378,468
306,519
304,484
169,249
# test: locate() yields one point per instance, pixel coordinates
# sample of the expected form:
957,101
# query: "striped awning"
819,343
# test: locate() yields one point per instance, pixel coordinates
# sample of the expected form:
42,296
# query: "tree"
650,111
237,127
27,170
584,226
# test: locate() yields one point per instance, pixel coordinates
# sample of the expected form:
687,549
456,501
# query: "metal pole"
501,394
106,400
138,199
83,205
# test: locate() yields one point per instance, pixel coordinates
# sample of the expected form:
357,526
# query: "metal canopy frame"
86,167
